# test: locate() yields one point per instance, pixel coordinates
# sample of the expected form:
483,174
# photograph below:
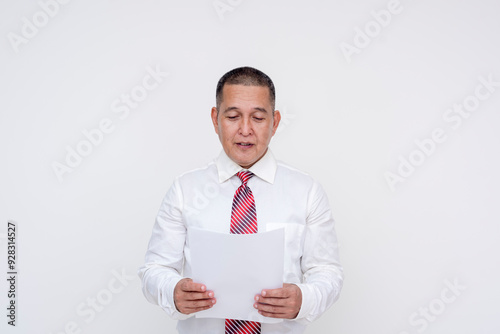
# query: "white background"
345,122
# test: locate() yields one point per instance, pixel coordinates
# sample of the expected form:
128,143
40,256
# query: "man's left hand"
280,303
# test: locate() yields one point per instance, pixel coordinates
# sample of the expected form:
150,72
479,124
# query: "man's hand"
190,297
280,303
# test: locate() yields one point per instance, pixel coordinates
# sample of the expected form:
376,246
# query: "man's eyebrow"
230,109
236,108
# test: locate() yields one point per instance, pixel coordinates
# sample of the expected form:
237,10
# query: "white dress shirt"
284,197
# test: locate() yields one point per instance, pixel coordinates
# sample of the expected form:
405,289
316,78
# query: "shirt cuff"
168,304
307,303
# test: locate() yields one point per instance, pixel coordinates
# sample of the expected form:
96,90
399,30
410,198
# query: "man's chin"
244,162
246,159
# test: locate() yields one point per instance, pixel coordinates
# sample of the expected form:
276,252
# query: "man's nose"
245,127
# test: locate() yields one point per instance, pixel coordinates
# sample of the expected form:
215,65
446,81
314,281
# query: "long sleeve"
165,255
323,274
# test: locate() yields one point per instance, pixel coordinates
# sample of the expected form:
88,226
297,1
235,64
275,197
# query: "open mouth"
244,145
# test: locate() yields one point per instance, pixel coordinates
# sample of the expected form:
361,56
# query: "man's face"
245,122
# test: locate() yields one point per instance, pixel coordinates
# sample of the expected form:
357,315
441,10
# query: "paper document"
237,267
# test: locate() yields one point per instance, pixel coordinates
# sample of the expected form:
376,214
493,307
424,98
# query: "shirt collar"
265,168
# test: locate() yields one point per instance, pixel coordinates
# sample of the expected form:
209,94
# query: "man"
247,191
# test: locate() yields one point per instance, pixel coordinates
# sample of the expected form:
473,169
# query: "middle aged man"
254,193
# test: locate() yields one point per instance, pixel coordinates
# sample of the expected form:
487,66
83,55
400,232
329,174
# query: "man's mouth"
244,144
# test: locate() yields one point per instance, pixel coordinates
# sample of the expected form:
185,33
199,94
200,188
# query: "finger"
275,315
188,307
272,311
271,300
190,286
194,310
276,311
203,303
288,292
198,295
276,293
270,308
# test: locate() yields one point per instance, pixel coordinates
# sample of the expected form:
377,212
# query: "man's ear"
276,120
215,120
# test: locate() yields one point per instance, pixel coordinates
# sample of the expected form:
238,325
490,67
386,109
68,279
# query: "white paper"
237,267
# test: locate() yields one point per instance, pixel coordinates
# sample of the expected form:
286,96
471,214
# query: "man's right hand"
190,297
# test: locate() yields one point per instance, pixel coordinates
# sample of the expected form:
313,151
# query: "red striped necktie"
243,221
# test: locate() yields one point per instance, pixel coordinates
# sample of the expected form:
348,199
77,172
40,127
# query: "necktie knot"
244,176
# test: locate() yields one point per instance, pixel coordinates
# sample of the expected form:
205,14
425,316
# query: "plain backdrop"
349,118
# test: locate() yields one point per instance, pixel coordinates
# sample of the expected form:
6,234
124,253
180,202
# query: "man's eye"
232,117
258,119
